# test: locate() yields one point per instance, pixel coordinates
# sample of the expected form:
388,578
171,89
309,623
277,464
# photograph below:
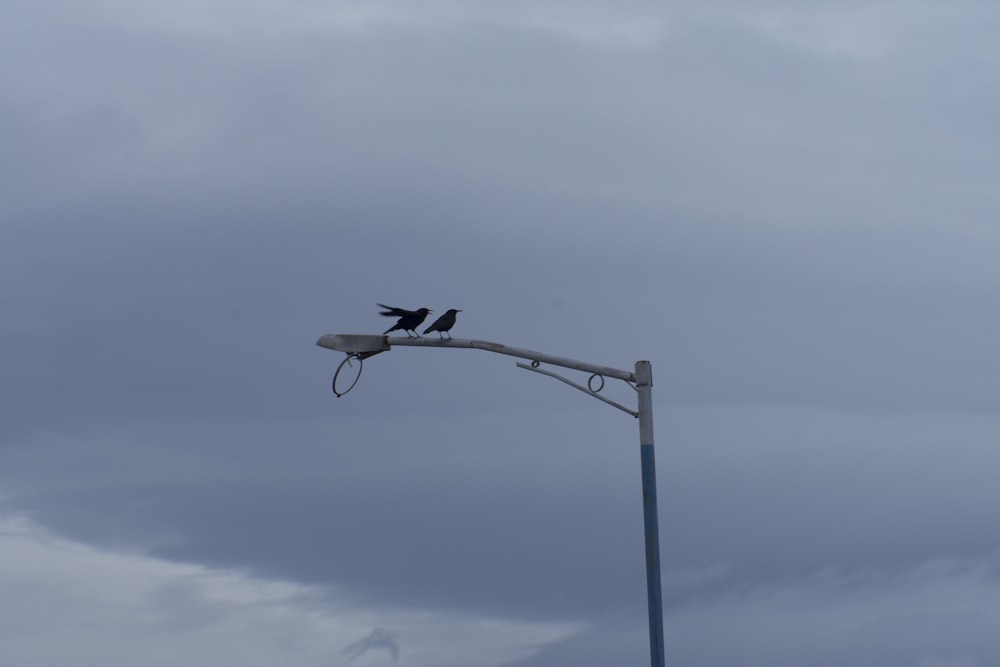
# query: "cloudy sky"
790,209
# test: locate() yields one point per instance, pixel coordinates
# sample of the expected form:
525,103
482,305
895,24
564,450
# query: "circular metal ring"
536,363
343,390
590,382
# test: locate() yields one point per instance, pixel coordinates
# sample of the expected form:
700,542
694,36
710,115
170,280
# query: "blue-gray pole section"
644,387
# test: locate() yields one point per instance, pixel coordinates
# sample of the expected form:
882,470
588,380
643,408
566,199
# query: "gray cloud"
542,520
378,639
931,614
788,209
183,605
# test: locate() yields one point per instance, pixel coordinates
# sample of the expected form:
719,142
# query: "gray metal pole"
363,346
644,386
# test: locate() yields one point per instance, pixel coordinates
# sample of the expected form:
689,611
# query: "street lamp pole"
362,346
644,388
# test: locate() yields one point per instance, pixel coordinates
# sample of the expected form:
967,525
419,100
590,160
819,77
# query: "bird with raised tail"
408,321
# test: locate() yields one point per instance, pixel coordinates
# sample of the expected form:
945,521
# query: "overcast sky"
790,208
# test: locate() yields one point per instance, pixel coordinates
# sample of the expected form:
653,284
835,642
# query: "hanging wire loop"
341,386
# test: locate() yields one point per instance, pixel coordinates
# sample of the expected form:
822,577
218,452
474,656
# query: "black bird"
444,323
408,321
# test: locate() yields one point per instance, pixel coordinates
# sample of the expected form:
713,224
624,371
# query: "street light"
359,347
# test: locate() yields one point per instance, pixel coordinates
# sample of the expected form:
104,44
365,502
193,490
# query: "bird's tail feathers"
390,311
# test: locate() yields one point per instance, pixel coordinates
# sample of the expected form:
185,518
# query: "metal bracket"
533,366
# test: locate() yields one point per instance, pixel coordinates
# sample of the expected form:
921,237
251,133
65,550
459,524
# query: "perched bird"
408,321
444,323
